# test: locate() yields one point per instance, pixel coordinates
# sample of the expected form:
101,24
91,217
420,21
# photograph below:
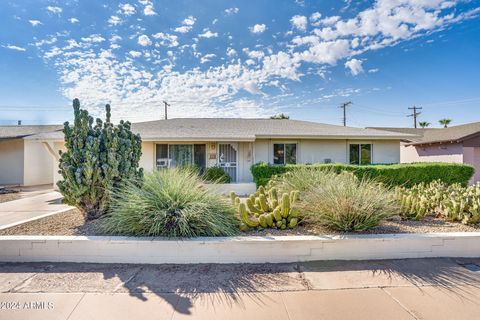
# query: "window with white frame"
360,153
284,153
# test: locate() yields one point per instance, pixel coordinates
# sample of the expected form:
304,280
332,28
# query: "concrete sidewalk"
389,289
30,208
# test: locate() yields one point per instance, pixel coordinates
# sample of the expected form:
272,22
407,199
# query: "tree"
280,116
445,122
424,124
98,158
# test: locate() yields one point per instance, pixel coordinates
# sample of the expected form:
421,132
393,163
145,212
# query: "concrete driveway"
31,208
389,289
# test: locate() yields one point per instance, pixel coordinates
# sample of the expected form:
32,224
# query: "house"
236,144
457,144
25,162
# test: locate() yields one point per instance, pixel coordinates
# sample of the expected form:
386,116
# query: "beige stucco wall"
386,151
38,163
11,162
57,146
147,160
317,151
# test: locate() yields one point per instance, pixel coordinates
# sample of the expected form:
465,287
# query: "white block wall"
237,249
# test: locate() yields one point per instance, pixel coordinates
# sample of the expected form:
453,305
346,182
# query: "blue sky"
241,59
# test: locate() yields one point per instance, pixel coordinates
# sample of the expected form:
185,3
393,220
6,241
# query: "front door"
200,156
227,159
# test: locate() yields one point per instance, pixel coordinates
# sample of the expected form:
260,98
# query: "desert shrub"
453,202
171,203
99,158
406,175
302,178
344,202
216,175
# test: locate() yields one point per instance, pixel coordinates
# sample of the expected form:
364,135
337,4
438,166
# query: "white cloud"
258,28
189,21
374,70
114,20
330,20
207,57
13,47
73,20
231,52
183,29
127,9
355,66
208,34
149,10
144,40
299,22
35,22
53,9
168,40
139,80
135,54
314,17
93,38
231,11
187,25
254,54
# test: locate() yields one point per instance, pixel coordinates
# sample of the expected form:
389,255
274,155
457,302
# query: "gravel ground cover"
72,223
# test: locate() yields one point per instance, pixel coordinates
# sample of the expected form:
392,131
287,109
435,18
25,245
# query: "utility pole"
414,115
166,106
344,107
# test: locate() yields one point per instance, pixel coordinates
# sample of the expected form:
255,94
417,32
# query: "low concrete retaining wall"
241,189
237,249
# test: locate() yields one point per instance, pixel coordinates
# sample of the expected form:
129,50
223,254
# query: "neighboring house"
236,144
24,162
457,144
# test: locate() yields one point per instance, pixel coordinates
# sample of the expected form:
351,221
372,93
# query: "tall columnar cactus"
99,157
263,209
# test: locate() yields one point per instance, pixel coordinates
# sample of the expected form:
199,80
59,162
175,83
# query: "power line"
344,107
414,114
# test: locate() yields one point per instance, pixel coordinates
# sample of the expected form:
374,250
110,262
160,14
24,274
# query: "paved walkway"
30,208
389,289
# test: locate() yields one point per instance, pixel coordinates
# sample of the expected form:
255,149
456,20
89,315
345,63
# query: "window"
360,154
284,153
177,155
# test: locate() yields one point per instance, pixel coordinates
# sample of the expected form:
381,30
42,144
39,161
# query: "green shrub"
344,202
216,175
406,175
172,203
98,159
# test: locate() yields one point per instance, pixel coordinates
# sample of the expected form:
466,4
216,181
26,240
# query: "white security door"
228,159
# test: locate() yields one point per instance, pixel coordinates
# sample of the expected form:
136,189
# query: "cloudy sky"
251,58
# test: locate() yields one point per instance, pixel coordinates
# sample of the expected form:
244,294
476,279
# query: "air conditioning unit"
327,160
162,163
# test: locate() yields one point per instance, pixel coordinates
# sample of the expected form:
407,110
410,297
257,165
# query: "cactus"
100,157
263,202
285,205
250,222
233,197
454,202
263,209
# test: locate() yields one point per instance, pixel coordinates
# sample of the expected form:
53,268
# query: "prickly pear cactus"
264,209
452,202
